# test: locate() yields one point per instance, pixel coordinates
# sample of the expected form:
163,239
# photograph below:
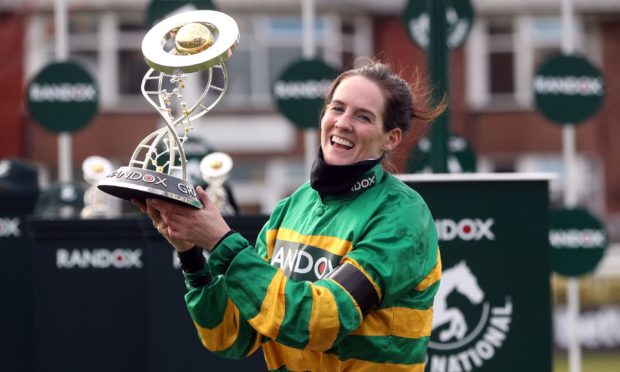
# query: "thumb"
202,195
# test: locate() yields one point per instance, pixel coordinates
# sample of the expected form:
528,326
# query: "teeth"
342,141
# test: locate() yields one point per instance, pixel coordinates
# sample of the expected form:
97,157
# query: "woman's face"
352,126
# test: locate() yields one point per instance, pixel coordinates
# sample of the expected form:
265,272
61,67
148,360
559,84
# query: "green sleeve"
398,248
220,327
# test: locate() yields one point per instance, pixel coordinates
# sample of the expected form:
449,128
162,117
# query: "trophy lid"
215,165
96,168
223,33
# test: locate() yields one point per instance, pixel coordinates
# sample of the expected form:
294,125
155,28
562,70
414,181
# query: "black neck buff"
337,179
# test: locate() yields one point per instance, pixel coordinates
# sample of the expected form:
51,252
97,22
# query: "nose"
344,122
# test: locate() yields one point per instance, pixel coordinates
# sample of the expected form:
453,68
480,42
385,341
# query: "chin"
337,160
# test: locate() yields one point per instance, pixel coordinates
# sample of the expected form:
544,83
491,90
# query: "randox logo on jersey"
466,340
364,184
465,229
303,262
9,227
99,258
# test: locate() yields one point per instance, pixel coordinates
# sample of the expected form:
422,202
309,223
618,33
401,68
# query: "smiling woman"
344,273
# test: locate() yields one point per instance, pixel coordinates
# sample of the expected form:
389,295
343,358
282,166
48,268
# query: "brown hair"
403,105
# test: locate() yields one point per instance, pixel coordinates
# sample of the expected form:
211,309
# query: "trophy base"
130,182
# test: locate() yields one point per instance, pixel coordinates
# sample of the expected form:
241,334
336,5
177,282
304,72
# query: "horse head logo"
457,278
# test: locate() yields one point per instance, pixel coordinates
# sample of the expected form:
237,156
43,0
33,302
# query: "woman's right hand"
160,225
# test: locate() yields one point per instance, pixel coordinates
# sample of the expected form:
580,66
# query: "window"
504,52
501,57
109,45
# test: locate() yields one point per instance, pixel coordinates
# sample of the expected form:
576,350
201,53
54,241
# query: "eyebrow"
338,102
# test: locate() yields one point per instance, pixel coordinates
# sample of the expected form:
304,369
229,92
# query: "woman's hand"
203,227
159,224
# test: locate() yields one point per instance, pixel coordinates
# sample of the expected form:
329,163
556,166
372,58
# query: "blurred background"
491,106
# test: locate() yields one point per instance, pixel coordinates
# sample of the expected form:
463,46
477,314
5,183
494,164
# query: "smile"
341,141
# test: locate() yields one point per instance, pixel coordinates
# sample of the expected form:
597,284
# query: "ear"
392,139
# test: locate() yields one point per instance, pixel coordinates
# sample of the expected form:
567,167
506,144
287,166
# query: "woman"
344,273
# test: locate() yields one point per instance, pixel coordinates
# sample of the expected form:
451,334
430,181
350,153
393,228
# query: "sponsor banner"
568,89
300,89
63,97
578,241
495,287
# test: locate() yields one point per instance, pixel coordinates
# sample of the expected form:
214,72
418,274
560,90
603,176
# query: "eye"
336,108
365,118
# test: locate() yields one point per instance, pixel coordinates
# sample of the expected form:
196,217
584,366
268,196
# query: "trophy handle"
160,99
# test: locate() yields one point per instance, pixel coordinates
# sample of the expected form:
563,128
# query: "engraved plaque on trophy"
195,42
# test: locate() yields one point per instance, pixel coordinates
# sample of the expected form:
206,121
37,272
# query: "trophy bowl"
186,43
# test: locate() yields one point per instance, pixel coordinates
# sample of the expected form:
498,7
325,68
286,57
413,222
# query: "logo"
66,92
575,238
465,229
135,176
9,227
148,178
419,28
303,262
98,258
463,340
569,85
364,184
309,89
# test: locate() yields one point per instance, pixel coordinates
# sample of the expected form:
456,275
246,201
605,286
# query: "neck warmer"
337,179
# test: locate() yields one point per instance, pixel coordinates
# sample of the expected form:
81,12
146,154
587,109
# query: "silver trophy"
215,169
195,42
96,203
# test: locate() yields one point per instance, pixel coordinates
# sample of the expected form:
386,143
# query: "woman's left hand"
203,227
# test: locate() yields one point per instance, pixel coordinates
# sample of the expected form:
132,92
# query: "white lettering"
483,349
66,92
308,257
98,258
466,229
569,85
309,89
9,227
574,238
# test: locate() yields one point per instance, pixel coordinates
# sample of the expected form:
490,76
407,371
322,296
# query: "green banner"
459,17
493,308
578,241
568,89
63,97
300,90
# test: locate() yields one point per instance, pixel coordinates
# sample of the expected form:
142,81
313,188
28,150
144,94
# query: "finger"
204,197
153,214
140,204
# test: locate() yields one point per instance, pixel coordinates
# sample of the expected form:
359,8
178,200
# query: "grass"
599,361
